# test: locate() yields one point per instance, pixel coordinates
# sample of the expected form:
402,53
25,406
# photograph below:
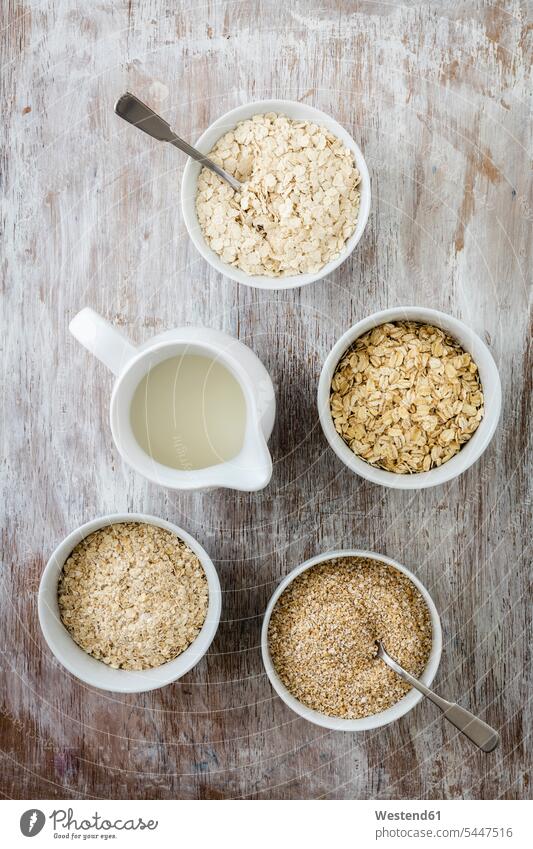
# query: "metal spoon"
140,115
485,737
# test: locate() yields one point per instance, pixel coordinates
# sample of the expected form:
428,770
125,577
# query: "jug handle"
103,340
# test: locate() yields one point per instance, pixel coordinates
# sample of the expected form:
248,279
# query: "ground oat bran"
133,595
323,629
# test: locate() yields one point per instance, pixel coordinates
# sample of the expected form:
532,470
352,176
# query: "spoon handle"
481,734
135,112
485,737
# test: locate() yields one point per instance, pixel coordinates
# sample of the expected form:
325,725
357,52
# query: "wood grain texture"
436,95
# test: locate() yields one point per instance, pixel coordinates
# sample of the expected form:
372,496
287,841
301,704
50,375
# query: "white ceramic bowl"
470,452
205,143
377,720
95,672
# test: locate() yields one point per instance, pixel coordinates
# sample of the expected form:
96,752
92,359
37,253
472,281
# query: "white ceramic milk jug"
251,468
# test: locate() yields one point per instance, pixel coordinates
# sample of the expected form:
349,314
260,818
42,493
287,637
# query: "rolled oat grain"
299,204
406,397
133,595
323,629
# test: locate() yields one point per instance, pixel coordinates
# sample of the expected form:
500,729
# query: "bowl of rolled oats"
409,398
129,603
304,203
319,639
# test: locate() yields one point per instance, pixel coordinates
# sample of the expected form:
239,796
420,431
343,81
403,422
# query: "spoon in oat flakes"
477,731
135,112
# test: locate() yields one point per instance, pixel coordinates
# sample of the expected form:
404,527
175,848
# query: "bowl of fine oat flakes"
409,398
304,203
129,603
319,639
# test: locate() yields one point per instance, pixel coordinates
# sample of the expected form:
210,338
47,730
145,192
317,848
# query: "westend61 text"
407,815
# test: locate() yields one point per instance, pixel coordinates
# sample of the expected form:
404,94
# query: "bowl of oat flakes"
129,603
319,639
304,204
409,398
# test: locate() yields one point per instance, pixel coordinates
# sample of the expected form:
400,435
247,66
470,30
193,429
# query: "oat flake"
300,201
406,397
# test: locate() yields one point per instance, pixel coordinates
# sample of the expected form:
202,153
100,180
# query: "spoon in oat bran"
477,731
135,112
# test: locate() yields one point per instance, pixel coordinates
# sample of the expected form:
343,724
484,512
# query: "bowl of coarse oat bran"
409,398
306,202
129,603
318,639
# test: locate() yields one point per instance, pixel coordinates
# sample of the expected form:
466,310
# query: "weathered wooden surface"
436,95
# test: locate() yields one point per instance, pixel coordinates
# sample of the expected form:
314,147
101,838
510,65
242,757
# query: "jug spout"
251,469
258,473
